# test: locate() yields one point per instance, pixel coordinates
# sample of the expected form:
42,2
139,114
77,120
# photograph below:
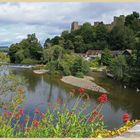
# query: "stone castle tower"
116,20
75,26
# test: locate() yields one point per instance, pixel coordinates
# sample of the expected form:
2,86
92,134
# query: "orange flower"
35,123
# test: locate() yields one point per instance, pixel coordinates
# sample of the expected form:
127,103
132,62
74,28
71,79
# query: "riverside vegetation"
58,51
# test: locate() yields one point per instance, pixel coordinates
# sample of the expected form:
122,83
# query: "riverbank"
86,82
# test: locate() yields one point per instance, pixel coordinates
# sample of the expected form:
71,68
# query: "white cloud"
50,19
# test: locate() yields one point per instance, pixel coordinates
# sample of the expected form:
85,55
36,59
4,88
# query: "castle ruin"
116,20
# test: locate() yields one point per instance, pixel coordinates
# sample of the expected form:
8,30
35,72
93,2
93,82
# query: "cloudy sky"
50,19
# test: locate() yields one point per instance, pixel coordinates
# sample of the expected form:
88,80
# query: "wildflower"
102,98
101,116
17,115
126,118
95,113
7,114
26,121
81,90
37,111
35,123
90,119
42,114
21,111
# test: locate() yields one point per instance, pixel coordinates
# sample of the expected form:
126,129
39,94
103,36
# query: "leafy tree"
27,48
79,44
121,37
107,57
68,45
102,33
79,66
118,67
14,48
133,21
87,33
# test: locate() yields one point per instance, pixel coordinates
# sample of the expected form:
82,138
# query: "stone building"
75,26
116,20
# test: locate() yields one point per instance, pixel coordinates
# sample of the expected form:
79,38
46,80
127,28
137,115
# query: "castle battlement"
120,19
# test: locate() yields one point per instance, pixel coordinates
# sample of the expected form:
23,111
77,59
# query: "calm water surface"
42,89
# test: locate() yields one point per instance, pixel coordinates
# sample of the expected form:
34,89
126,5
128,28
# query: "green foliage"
119,66
28,48
79,66
121,37
11,85
133,21
94,63
29,61
55,123
107,57
4,57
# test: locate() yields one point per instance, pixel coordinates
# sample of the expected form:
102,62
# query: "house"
92,54
116,53
127,52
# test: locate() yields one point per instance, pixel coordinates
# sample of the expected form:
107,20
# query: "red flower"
17,115
26,121
126,118
81,90
35,123
42,114
37,111
101,116
21,111
95,113
102,98
7,114
90,119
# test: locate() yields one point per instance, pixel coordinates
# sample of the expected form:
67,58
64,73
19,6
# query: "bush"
79,74
79,66
29,61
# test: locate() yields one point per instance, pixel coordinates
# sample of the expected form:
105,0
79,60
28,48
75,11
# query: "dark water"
42,89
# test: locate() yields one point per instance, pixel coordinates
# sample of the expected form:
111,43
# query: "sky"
50,19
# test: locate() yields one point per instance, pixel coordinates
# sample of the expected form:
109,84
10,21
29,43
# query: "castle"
120,19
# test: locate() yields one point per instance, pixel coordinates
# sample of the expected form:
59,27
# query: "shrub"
29,61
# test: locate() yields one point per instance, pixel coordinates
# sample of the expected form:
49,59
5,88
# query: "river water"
42,89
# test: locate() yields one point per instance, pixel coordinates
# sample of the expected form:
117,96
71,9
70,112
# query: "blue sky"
50,19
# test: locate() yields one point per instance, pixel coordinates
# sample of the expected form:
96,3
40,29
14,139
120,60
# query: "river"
41,89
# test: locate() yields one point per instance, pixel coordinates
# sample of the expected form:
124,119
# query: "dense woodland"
59,52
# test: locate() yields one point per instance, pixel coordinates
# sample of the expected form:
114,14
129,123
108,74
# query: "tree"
102,33
133,21
14,48
118,67
87,33
79,44
29,48
121,37
79,67
107,57
68,45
